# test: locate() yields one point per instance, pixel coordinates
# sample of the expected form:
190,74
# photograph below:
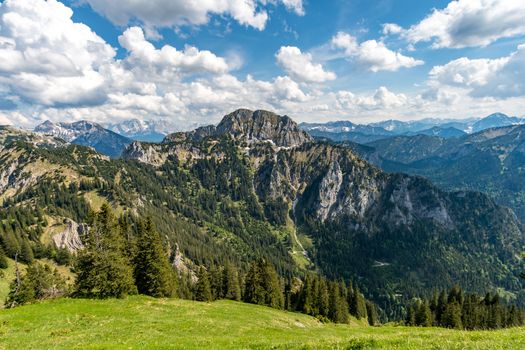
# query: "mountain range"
490,161
112,139
142,130
256,185
447,128
86,133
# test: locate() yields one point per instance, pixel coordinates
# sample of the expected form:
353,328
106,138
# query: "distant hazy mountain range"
142,130
113,138
87,133
447,128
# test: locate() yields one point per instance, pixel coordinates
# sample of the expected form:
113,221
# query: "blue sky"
189,63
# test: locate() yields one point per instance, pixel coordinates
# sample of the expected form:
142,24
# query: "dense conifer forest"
125,255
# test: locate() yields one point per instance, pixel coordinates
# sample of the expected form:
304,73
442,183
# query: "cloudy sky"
190,62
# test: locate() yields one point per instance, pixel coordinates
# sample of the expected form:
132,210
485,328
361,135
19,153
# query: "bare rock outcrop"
70,238
251,126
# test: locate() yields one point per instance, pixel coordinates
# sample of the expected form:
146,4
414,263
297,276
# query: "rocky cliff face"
331,183
252,126
9,134
71,237
491,161
67,131
144,153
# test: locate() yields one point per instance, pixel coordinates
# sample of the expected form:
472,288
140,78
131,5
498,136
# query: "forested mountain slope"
258,186
491,161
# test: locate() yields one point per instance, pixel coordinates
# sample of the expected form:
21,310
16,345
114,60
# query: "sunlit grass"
146,323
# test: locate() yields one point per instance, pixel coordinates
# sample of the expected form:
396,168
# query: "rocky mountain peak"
251,126
261,125
496,120
142,130
67,131
86,133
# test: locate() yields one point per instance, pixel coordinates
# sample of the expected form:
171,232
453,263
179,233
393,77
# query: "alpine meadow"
285,174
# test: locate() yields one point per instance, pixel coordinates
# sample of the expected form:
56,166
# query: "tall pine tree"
262,285
423,314
103,269
202,287
154,274
232,286
338,307
357,304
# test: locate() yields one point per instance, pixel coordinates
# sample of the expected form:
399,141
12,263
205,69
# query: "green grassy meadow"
145,323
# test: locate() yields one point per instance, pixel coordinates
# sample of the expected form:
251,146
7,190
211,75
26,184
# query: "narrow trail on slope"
294,233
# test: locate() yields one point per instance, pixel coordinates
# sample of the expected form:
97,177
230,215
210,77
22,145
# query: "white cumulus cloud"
54,68
47,58
381,99
295,5
172,13
372,54
300,66
167,61
392,28
465,23
501,77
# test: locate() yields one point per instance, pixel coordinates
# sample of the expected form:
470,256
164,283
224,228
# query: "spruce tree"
423,315
202,288
455,295
465,311
154,274
217,282
26,253
470,312
494,311
357,304
307,297
440,309
11,244
371,312
323,298
433,304
263,286
272,285
103,270
288,295
411,315
37,283
254,292
315,294
514,317
232,286
452,316
338,310
185,286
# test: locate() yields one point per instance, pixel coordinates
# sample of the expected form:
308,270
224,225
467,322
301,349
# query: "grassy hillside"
6,276
146,323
